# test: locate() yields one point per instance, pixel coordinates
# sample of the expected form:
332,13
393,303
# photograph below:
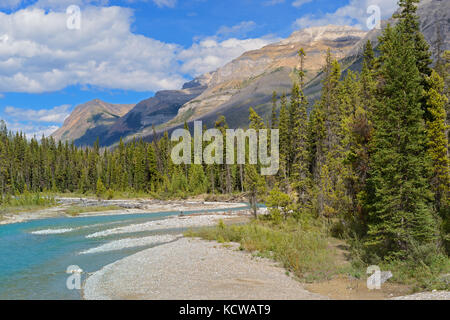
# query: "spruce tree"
284,136
400,208
274,119
301,176
409,22
438,142
327,130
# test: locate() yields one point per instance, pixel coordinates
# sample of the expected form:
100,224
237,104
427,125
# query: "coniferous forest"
370,157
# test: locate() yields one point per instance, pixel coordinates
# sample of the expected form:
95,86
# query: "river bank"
125,206
194,269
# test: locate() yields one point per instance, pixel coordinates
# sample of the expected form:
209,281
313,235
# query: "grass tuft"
305,253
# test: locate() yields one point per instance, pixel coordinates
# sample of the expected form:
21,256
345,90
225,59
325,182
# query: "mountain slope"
434,17
250,79
154,111
92,115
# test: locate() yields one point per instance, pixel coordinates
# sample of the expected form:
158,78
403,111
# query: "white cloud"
31,130
10,4
299,3
55,115
35,122
62,4
39,53
209,54
165,3
50,4
355,13
238,29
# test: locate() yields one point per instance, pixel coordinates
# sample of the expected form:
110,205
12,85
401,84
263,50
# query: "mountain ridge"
250,79
90,115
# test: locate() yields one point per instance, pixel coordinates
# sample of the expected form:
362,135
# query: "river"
35,255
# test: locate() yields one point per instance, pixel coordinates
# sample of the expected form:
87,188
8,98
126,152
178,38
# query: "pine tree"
225,168
198,183
409,22
284,136
274,119
400,210
446,77
358,130
154,175
327,130
301,176
438,142
255,184
100,189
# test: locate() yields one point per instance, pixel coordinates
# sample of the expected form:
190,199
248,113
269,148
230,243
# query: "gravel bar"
194,269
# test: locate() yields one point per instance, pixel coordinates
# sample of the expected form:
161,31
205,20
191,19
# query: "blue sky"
125,50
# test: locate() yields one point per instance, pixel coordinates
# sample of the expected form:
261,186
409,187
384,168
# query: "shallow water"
34,255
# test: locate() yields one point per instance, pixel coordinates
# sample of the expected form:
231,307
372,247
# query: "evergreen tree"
274,119
409,22
284,136
438,142
400,210
327,130
301,176
100,189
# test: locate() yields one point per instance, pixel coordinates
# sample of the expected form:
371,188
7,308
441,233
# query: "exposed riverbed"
35,254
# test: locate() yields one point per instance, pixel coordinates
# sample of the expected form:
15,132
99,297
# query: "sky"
56,54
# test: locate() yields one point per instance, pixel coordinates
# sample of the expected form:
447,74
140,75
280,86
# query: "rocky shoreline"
194,269
126,207
188,269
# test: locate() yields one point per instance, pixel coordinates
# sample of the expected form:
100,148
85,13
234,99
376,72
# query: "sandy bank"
194,269
127,207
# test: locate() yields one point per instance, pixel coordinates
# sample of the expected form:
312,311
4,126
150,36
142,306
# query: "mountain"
154,111
249,80
89,119
434,20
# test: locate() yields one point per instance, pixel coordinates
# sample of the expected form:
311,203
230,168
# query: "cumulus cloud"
10,4
210,53
41,54
31,129
35,122
61,4
54,115
38,53
355,13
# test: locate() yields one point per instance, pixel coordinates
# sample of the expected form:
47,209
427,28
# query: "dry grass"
302,251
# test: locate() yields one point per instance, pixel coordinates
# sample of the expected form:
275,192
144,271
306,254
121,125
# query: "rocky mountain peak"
323,33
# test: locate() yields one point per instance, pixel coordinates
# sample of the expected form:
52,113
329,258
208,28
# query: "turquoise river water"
34,255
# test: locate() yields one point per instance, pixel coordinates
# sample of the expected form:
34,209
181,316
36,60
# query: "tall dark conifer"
400,210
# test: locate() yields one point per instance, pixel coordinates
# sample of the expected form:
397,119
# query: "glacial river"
35,255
